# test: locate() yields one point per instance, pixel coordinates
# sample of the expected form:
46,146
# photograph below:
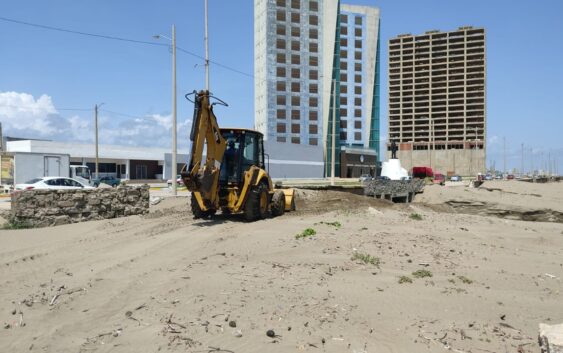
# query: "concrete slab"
551,338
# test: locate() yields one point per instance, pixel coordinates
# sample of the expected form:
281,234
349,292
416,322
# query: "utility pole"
522,162
174,164
504,156
333,159
96,132
206,41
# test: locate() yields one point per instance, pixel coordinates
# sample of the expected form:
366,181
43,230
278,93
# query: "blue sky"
48,71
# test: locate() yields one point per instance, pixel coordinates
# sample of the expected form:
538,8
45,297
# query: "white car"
59,183
179,181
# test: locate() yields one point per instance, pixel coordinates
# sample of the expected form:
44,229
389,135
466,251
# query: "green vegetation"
422,274
367,259
415,216
405,279
334,224
309,232
17,225
465,279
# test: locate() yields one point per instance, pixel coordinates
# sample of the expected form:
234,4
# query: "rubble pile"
393,187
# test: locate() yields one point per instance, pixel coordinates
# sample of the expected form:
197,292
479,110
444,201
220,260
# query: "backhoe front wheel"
278,203
256,206
198,212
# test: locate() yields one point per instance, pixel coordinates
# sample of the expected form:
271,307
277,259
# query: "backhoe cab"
233,177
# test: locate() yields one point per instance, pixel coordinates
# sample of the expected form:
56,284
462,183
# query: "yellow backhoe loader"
233,176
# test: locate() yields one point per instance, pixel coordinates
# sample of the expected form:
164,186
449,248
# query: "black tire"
198,212
256,206
278,203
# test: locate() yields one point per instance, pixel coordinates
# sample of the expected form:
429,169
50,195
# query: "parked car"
488,177
439,179
406,178
365,177
52,183
179,181
109,180
510,176
383,177
455,178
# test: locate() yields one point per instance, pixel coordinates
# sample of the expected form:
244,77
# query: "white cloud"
24,116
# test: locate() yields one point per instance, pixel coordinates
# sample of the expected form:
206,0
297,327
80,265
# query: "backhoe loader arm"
202,178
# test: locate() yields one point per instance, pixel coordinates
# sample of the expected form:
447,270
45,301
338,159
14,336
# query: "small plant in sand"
309,232
334,224
465,279
405,279
415,216
17,225
421,274
366,258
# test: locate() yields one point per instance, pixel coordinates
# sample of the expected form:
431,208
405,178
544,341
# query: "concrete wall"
463,162
288,160
40,208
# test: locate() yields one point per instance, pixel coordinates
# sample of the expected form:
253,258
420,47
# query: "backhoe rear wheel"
198,212
278,203
256,206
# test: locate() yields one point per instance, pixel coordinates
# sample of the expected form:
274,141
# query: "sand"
165,282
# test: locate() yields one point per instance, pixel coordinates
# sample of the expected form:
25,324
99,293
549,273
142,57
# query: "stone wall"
40,208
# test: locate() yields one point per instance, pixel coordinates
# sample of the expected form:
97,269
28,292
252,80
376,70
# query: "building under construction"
437,100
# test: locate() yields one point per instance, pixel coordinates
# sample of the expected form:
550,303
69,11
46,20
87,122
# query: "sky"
51,80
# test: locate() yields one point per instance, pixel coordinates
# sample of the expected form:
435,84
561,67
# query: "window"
313,47
280,3
295,114
280,128
343,77
296,59
295,73
357,101
280,72
295,101
343,89
343,18
280,113
295,128
294,17
344,54
295,45
280,58
280,15
343,101
343,42
343,30
314,6
358,78
313,102
313,88
343,135
358,90
343,124
313,33
343,113
357,124
358,55
358,32
313,141
358,67
313,61
280,139
295,140
313,115
313,129
313,20
358,20
295,87
280,86
280,30
357,136
280,43
280,100
343,65
358,44
313,74
295,32
295,4
357,113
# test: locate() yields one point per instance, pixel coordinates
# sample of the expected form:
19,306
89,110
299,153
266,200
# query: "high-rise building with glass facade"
315,59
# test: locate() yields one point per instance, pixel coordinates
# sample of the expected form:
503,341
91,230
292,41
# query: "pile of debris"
394,190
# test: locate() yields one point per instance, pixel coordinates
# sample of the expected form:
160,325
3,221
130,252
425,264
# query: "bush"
367,259
309,232
415,216
405,279
422,274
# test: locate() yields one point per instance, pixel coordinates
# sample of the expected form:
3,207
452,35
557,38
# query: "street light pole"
174,164
96,107
206,41
333,143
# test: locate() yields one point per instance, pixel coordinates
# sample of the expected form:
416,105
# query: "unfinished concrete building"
437,100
